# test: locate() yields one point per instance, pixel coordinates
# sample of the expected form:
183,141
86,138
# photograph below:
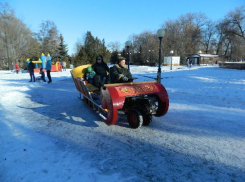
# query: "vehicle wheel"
147,119
135,119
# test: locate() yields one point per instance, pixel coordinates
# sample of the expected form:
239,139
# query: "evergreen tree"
81,58
91,48
114,57
62,49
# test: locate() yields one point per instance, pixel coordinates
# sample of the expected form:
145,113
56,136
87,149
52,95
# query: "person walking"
190,63
17,68
48,69
31,68
64,66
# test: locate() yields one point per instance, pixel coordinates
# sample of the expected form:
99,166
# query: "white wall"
175,60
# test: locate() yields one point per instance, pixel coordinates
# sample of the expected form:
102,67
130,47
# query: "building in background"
206,59
175,61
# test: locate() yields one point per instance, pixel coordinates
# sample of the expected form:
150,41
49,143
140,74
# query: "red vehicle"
138,100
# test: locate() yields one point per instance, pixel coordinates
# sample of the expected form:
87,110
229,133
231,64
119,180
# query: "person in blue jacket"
48,69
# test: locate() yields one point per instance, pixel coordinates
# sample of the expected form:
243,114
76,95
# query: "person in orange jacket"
17,68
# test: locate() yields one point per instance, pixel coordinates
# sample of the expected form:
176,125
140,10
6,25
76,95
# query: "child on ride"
90,75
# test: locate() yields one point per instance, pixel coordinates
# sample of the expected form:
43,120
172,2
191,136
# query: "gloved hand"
125,78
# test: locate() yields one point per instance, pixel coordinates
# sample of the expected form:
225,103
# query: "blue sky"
112,20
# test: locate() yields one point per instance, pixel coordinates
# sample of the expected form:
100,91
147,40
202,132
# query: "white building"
175,61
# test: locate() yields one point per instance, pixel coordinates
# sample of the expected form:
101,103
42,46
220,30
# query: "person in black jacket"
101,69
119,73
31,68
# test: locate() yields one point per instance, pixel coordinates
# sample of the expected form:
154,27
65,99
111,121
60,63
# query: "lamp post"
160,34
171,52
110,55
200,52
128,44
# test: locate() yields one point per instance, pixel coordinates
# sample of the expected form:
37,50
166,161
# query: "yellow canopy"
80,71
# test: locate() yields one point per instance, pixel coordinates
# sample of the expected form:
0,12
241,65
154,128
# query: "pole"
171,63
159,63
128,56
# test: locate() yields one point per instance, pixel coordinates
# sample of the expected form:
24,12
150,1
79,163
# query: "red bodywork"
113,97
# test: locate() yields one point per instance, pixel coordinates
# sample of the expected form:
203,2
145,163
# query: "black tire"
147,119
135,119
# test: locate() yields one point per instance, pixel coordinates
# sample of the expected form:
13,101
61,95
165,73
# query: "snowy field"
48,135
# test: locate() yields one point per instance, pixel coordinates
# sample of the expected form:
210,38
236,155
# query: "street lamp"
128,44
200,52
110,56
171,52
160,35
150,56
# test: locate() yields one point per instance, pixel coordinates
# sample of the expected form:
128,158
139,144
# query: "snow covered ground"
47,134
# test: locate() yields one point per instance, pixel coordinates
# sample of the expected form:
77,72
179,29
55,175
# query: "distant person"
61,66
31,68
48,69
101,69
119,73
17,68
90,75
42,75
64,65
190,62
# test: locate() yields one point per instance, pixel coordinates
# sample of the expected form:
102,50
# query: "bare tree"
184,35
230,34
114,46
208,37
14,35
5,26
48,37
234,22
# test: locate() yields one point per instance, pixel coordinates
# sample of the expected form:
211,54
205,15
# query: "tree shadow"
56,101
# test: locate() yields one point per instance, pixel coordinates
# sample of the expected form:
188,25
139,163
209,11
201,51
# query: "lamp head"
160,33
128,43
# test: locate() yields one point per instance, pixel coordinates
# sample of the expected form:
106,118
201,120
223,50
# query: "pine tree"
114,57
62,50
90,50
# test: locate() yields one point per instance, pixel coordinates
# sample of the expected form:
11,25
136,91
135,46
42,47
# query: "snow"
48,134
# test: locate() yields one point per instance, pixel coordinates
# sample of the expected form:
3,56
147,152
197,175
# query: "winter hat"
99,57
89,69
120,58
